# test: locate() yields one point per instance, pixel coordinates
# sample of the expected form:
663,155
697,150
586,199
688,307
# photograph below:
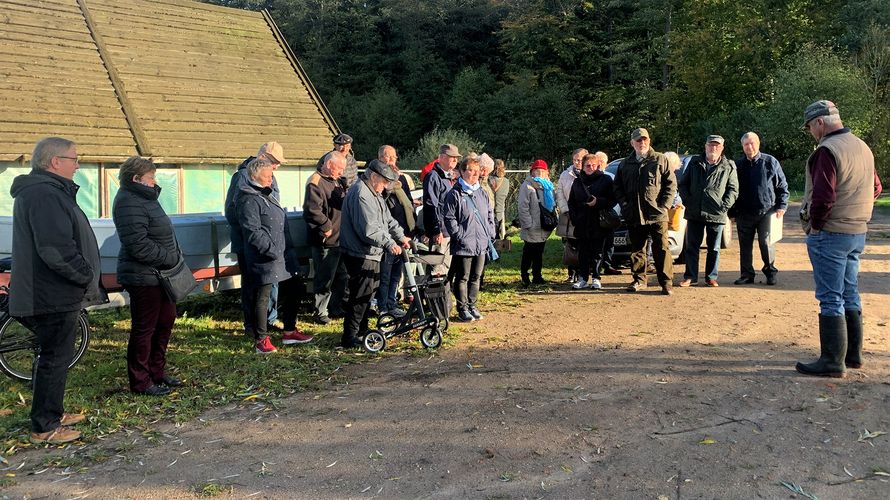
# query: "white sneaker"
581,284
595,284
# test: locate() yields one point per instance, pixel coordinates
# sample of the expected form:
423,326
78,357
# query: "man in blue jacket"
436,185
763,191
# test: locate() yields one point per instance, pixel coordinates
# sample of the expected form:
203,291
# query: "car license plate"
620,241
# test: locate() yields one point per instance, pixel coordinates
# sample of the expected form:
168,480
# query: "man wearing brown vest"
839,194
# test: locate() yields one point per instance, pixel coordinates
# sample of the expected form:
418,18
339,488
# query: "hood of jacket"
37,177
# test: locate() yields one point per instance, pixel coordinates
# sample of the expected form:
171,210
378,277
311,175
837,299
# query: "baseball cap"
274,150
539,165
639,132
715,138
450,150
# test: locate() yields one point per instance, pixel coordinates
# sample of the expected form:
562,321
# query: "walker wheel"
431,337
375,341
387,323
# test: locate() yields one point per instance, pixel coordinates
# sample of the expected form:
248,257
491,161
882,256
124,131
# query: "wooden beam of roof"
142,144
295,63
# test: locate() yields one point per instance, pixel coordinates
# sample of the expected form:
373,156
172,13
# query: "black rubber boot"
833,340
854,339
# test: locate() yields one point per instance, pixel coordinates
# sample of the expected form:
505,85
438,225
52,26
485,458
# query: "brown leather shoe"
72,418
712,283
686,283
59,435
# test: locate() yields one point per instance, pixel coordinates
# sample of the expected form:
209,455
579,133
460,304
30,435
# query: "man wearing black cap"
366,231
709,189
646,186
343,145
840,188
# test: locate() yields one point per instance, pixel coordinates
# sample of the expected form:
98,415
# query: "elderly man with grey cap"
342,145
709,188
367,230
645,187
839,192
436,185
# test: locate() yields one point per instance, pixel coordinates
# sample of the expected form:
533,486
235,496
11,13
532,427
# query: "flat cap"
383,170
817,109
342,139
274,150
450,150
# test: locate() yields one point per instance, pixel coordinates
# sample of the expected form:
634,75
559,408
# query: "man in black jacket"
56,274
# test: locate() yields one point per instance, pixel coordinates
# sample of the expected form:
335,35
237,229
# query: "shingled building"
196,87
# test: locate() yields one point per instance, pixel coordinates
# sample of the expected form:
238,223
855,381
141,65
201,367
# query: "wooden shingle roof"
181,81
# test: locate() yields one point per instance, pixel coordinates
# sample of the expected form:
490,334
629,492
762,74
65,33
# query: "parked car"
676,236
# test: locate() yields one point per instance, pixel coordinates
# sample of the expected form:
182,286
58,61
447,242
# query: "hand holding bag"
178,281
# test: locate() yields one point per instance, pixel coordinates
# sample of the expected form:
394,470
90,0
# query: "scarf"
467,188
547,189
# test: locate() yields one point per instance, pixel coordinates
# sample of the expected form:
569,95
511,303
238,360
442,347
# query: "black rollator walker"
428,312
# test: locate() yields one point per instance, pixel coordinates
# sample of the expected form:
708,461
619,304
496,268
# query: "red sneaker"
264,346
295,337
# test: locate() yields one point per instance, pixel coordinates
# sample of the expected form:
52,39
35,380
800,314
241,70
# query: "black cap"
342,139
383,170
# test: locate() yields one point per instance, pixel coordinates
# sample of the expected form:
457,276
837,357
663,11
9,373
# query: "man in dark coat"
708,188
763,191
435,186
56,274
645,186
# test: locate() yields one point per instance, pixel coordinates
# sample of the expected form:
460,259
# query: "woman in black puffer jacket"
147,244
592,192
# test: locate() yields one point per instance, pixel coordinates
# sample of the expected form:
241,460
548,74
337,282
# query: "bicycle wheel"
18,346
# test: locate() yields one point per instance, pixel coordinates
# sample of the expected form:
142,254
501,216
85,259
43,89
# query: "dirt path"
570,395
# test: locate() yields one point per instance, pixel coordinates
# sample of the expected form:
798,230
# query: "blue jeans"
390,275
695,231
835,260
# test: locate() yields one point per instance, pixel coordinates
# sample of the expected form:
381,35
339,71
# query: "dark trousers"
55,340
390,276
152,316
329,282
695,230
466,280
364,276
661,256
590,255
573,270
747,225
288,294
246,301
256,310
608,248
532,257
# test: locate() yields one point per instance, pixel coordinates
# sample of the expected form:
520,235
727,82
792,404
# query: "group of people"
358,226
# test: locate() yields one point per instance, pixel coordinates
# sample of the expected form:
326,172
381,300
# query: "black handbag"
178,281
609,219
549,219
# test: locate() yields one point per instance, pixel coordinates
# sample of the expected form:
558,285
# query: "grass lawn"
217,362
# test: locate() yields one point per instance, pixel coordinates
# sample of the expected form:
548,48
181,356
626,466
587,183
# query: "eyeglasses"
72,158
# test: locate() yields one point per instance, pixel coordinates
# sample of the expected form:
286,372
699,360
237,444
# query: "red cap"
539,165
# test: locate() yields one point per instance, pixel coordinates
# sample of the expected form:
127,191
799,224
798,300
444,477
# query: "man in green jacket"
645,187
709,188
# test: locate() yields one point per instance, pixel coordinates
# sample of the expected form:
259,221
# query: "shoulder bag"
178,281
609,218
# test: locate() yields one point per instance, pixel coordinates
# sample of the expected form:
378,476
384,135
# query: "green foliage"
809,75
